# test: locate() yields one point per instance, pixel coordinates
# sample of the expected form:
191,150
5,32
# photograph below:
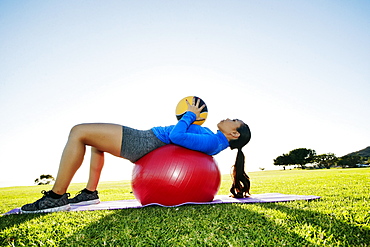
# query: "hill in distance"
363,152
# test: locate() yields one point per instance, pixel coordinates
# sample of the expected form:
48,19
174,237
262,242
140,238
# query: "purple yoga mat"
123,204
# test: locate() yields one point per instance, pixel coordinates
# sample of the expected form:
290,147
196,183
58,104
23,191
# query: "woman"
132,144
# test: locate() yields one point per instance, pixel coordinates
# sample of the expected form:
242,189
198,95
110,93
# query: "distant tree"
302,156
325,160
283,160
367,161
44,179
350,161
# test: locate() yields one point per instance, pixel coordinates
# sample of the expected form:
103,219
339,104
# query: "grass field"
340,218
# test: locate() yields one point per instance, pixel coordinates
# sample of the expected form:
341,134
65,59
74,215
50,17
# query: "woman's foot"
47,204
85,197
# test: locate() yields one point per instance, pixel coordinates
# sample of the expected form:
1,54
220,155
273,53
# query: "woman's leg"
102,137
96,166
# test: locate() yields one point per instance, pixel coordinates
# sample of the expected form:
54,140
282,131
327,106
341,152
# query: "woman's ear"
235,134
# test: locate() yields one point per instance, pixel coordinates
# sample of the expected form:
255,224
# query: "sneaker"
84,198
47,204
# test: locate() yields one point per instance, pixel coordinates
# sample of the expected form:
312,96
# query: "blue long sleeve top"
192,136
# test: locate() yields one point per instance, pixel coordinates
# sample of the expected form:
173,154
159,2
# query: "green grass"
340,218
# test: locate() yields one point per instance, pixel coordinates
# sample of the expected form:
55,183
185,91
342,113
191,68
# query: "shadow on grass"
8,221
204,225
331,228
13,221
190,225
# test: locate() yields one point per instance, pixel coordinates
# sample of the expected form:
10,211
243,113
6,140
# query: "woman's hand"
194,107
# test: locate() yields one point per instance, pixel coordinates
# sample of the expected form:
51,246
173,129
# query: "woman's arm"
199,139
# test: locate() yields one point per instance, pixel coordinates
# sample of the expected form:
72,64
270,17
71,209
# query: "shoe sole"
48,210
90,202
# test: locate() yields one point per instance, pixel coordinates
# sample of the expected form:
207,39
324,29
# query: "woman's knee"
78,131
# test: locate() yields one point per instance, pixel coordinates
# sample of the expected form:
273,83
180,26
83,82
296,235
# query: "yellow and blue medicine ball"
182,107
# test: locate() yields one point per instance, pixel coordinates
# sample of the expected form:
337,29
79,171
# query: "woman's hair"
241,184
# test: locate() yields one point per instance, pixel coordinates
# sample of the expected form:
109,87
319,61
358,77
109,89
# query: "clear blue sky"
298,72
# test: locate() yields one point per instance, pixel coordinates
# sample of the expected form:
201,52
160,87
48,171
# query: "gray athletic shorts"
137,143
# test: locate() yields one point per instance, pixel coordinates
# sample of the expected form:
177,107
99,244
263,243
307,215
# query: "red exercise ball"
171,175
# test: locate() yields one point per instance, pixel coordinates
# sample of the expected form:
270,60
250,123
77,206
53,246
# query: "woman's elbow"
175,138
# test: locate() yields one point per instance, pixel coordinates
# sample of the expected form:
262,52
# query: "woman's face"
229,125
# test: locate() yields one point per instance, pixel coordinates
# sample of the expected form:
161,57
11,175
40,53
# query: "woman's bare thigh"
102,136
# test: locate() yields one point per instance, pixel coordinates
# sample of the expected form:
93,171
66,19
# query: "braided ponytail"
241,184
